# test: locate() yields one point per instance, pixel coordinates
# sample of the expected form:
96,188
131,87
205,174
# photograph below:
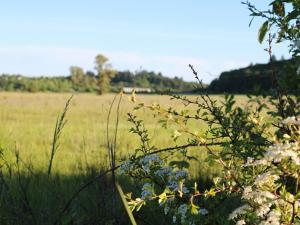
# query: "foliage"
155,81
41,84
257,79
77,75
257,145
89,82
273,197
104,72
27,124
283,16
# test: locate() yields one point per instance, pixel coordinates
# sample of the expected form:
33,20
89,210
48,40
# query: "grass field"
27,122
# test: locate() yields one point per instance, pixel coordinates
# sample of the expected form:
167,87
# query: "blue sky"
47,37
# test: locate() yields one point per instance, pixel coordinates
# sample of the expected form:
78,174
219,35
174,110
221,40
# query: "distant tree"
105,73
90,74
123,79
77,75
104,80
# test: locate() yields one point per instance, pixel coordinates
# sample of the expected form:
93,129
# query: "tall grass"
60,123
73,187
27,121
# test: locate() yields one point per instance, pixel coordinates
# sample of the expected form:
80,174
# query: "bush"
256,144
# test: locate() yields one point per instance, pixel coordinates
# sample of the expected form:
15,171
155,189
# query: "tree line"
101,80
257,78
249,80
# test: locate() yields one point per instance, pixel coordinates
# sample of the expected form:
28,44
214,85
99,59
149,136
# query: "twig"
101,175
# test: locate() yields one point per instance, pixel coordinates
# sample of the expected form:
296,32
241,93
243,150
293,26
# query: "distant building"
137,90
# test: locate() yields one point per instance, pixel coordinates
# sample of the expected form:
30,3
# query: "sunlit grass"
28,120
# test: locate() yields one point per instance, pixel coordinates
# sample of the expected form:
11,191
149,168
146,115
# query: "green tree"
105,73
77,75
101,63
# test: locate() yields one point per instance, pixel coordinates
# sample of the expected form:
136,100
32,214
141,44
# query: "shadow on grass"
34,199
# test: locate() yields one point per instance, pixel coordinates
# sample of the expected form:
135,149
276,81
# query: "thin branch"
101,175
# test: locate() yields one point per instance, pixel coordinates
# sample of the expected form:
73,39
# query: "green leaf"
195,209
210,193
278,8
262,31
180,164
162,198
293,15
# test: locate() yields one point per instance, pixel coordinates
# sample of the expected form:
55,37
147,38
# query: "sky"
47,37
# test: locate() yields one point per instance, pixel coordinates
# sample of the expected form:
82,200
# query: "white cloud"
47,60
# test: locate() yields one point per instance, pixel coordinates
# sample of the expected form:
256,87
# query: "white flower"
289,197
263,162
262,210
247,191
260,197
174,186
278,152
151,159
249,161
272,219
166,210
174,219
268,195
147,192
125,167
239,211
203,211
180,174
185,190
291,120
165,171
182,209
265,178
240,222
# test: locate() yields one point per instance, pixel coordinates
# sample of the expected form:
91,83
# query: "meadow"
26,133
28,121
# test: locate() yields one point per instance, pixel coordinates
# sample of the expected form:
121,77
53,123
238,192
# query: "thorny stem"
225,166
210,104
275,84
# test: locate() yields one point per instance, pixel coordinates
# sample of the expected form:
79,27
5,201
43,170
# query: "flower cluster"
291,121
273,197
164,184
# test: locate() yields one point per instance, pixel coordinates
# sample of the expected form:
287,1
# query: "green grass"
27,123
